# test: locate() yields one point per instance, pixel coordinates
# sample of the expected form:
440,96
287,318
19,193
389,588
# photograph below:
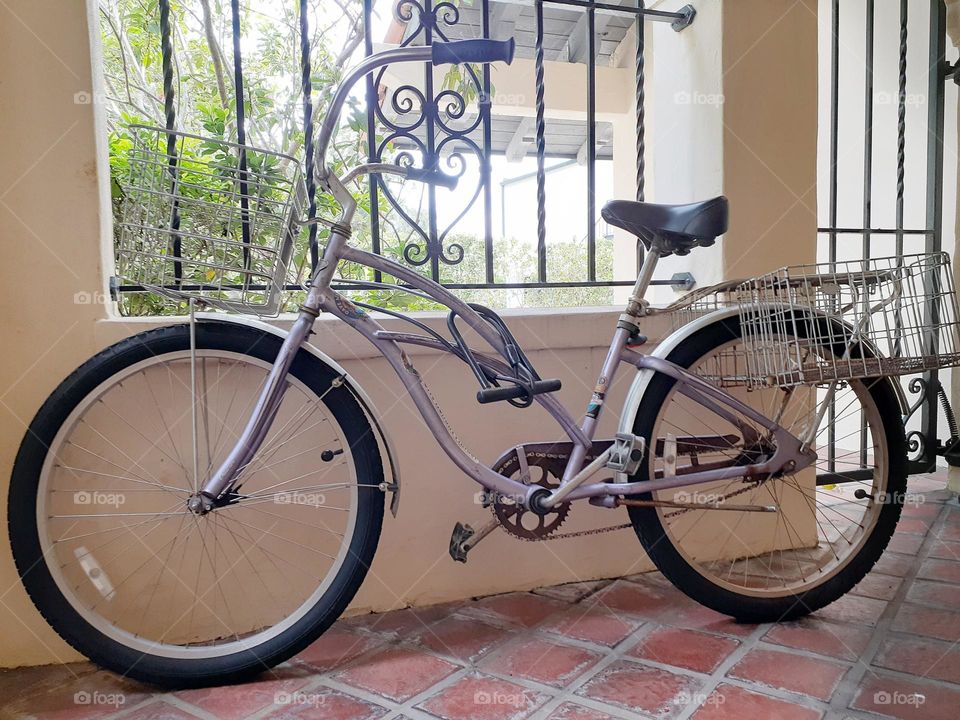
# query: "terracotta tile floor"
587,651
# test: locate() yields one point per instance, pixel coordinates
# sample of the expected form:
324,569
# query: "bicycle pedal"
626,453
458,539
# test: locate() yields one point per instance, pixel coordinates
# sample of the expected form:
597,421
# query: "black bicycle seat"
678,227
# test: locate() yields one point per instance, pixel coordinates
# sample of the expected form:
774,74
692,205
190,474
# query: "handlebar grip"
495,394
433,177
473,51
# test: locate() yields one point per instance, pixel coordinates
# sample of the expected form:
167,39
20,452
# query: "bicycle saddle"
679,228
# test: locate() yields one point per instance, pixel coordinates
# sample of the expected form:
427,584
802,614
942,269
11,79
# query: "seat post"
646,272
637,304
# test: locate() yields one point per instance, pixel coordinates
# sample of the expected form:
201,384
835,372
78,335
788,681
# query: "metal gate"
886,130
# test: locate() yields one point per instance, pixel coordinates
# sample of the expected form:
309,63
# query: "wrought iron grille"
886,119
433,125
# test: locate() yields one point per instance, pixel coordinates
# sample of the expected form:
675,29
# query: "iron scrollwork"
431,124
916,440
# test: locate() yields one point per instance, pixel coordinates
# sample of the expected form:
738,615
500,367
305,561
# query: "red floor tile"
542,661
327,704
892,564
945,550
729,702
523,609
572,711
334,648
785,671
920,656
877,585
572,592
91,695
232,702
853,609
397,673
685,648
936,594
478,697
463,639
643,600
931,622
906,544
844,642
592,624
644,689
914,525
950,532
925,510
698,617
906,700
943,570
399,623
22,683
158,710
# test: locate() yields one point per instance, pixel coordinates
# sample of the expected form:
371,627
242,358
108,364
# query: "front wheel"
769,548
120,567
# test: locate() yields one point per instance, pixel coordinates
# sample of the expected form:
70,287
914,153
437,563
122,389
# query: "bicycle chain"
611,528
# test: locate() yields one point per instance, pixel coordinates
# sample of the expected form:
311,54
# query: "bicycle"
200,502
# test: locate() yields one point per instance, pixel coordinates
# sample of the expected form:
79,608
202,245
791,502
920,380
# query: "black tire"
229,668
669,560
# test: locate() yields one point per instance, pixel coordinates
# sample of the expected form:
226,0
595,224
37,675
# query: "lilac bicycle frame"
790,453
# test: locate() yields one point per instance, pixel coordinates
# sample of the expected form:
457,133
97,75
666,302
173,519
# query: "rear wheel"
770,548
127,574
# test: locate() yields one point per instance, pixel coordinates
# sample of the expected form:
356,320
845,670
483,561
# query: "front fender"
358,392
641,382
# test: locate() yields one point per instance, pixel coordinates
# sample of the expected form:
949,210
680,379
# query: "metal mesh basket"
193,225
700,302
846,320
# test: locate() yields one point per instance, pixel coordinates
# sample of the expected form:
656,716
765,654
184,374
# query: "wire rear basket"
846,320
194,225
700,302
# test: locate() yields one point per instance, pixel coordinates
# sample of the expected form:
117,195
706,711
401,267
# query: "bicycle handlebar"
432,177
438,54
473,51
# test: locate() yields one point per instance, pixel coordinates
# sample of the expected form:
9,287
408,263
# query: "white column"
953,32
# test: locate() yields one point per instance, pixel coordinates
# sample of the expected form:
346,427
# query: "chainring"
546,470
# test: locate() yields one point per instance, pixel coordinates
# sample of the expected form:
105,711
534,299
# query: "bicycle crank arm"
697,506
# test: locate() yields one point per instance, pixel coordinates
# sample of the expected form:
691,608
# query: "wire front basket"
193,224
846,320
